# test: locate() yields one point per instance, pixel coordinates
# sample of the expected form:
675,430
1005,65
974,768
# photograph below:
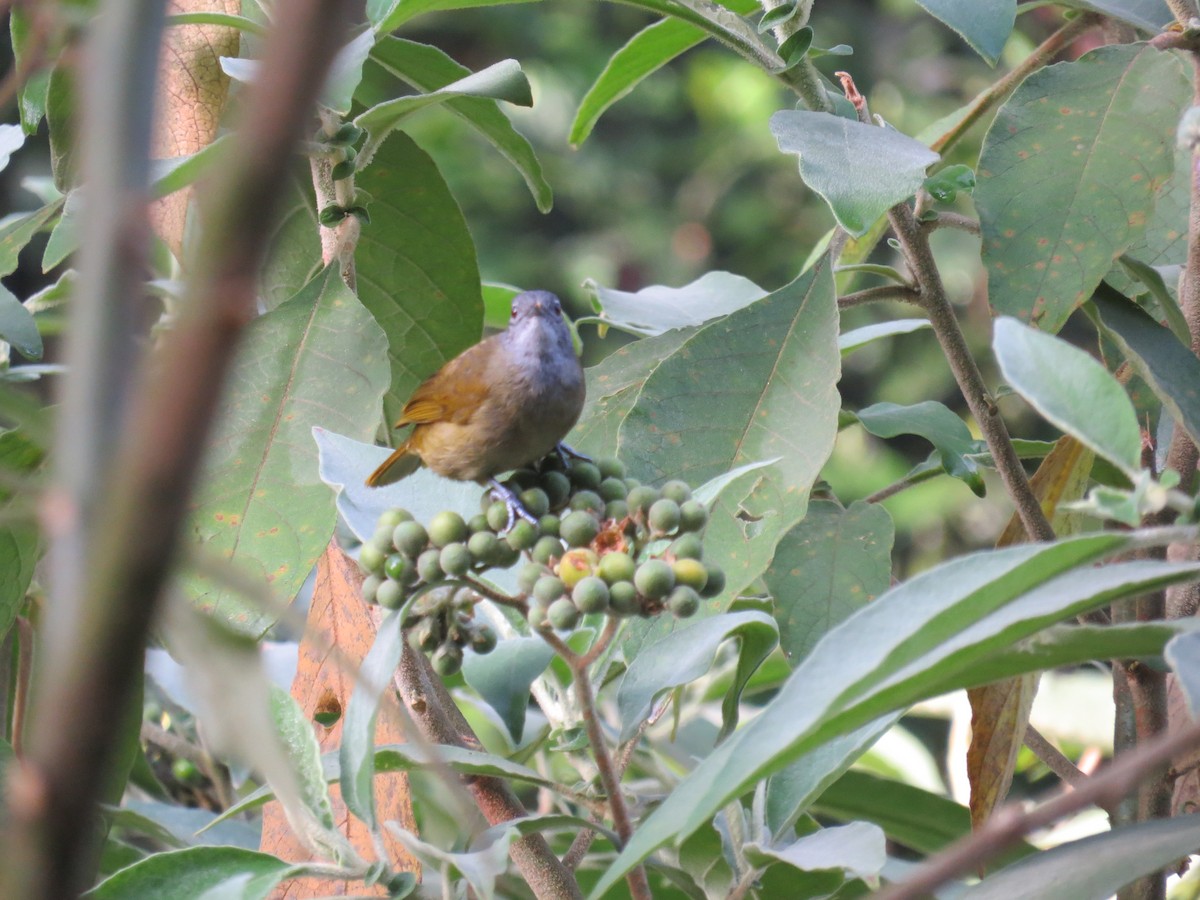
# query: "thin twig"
902,485
884,293
951,220
1054,758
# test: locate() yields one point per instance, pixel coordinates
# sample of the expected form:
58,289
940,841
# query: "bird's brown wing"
453,393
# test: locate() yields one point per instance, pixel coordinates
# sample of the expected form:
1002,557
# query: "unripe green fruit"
427,635
687,546
612,489
690,572
185,771
557,487
483,546
579,528
677,490
642,497
447,660
528,575
522,479
370,559
382,538
584,474
663,516
549,525
610,467
535,501
716,581
590,595
576,565
522,536
616,567
537,617
455,559
393,517
631,483
505,555
477,523
654,579
616,510
429,565
390,594
399,567
447,527
692,515
563,614
683,601
369,586
483,639
546,549
588,501
623,599
497,516
410,538
547,589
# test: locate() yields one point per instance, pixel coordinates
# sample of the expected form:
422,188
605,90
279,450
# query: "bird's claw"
565,450
513,504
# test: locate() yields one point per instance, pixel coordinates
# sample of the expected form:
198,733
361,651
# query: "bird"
501,404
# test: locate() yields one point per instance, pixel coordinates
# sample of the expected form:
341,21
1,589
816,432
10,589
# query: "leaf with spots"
416,267
832,564
317,359
1068,176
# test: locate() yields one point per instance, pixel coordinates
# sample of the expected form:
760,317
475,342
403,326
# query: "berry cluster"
602,543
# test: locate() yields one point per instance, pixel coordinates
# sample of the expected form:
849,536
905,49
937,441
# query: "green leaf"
729,396
393,14
416,268
827,567
300,743
18,327
1068,176
180,826
688,653
1169,367
502,678
64,236
241,23
294,252
18,230
61,119
894,652
1071,390
479,867
1150,16
244,874
859,337
346,72
31,96
11,139
1095,867
858,849
1181,654
356,756
984,26
945,184
777,16
1156,299
497,304
20,542
795,47
656,309
171,175
316,359
860,170
937,424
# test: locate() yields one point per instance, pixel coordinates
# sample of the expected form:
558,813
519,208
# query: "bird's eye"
514,313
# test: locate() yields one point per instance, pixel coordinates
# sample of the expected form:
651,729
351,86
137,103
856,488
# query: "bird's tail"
402,463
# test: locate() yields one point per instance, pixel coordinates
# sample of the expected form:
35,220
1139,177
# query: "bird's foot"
512,502
565,450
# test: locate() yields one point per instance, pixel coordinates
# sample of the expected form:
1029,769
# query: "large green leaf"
937,424
860,170
895,651
20,544
195,873
316,359
18,230
985,26
294,251
300,743
17,326
1150,16
1072,391
502,678
429,69
832,564
416,268
391,14
1170,368
31,96
1068,176
658,308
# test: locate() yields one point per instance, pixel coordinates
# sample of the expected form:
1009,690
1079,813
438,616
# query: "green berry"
522,536
683,601
393,517
428,634
687,546
677,491
579,528
410,538
447,660
642,497
546,549
537,617
663,516
447,527
616,567
547,589
631,483
497,516
483,639
590,595
477,523
382,538
654,579
390,594
716,581
185,771
535,501
483,546
400,568
528,575
623,599
563,614
505,555
588,501
549,524
429,566
612,489
584,474
616,510
557,487
611,467
455,559
690,572
692,515
370,559
369,586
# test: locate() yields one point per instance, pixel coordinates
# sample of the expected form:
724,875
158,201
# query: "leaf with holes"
1068,176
